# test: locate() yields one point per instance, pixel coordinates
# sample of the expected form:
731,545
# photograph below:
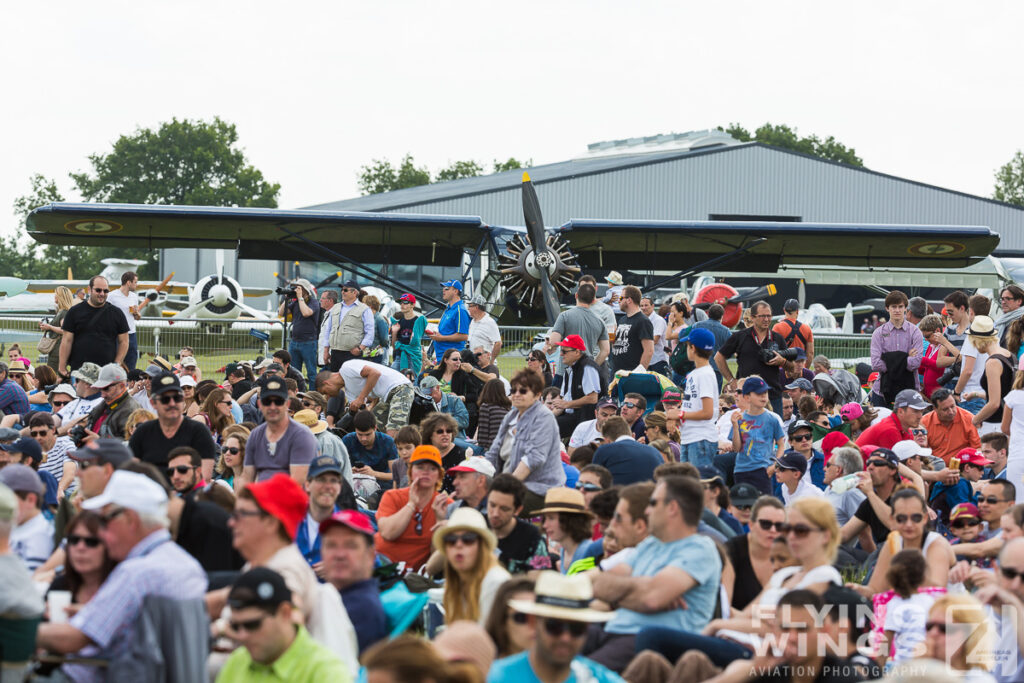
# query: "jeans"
131,358
974,405
304,352
726,462
756,478
699,453
672,643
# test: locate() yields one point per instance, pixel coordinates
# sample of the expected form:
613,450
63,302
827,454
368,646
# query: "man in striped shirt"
55,452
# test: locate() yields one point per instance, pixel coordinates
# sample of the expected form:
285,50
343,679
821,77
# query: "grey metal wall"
752,180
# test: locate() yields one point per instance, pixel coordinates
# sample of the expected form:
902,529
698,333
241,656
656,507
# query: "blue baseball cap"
754,385
701,339
323,464
792,461
455,284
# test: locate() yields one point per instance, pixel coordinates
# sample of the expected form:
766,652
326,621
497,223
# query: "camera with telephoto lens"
78,435
286,292
768,353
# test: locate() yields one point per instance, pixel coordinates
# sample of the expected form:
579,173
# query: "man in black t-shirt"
521,548
883,476
94,331
751,346
152,441
634,338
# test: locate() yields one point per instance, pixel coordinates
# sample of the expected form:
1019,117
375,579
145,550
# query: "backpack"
678,360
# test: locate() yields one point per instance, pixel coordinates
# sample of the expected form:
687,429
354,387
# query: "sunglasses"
799,530
88,541
1010,574
61,404
767,525
468,538
556,627
443,431
100,291
109,517
418,516
249,625
991,500
171,398
520,390
239,514
224,403
180,469
919,432
879,463
272,401
233,450
961,523
801,437
37,435
305,404
935,624
588,487
916,518
519,617
629,404
744,508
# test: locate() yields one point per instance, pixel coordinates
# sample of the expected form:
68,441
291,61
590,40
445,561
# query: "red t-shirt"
884,434
411,547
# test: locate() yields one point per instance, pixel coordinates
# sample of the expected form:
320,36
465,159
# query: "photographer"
305,312
758,351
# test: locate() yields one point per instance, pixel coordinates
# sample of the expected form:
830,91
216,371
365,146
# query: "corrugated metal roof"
747,179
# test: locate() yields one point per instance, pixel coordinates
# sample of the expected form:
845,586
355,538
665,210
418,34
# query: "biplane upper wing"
764,246
258,233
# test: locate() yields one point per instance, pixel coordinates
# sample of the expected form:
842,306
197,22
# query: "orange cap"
428,453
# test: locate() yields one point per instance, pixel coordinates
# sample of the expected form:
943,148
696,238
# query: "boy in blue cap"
753,435
698,414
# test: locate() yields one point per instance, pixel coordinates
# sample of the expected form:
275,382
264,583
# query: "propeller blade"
754,294
538,239
801,293
190,310
160,287
219,256
328,280
259,315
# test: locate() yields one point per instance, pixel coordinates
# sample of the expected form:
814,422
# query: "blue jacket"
310,551
453,405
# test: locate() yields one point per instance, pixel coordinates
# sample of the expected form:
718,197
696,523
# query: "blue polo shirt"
454,320
382,453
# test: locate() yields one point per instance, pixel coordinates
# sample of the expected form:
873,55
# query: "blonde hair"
974,652
462,595
373,302
62,295
135,419
1018,380
983,344
821,513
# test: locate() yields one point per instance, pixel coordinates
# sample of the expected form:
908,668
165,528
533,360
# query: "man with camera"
759,351
109,416
305,311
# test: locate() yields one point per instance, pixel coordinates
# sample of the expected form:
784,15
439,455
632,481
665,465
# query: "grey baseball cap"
111,373
429,382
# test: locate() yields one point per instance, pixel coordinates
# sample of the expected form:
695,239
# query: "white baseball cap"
133,491
476,464
908,448
189,362
187,381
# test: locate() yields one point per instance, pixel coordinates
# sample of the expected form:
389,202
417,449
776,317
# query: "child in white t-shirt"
698,436
905,614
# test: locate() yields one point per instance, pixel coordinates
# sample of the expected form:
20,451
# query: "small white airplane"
217,296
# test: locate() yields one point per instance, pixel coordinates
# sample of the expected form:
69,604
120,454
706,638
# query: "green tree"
1010,181
785,137
459,169
381,176
511,165
182,162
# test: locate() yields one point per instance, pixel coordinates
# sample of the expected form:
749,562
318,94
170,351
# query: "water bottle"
845,483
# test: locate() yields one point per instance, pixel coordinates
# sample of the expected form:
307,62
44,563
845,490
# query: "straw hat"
982,326
562,499
465,519
614,277
562,597
308,418
16,367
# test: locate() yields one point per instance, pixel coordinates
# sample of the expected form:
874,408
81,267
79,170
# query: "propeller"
537,268
731,298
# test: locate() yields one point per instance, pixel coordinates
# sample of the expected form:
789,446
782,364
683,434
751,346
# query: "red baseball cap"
407,298
832,441
972,456
353,519
573,341
282,499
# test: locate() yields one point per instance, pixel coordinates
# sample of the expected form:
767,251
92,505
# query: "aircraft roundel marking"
93,227
936,248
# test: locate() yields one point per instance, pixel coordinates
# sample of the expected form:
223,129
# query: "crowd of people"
404,512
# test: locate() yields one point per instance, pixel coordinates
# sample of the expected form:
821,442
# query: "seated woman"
228,469
813,534
910,515
510,630
216,413
657,429
38,397
568,522
750,566
406,516
959,632
87,565
472,574
439,430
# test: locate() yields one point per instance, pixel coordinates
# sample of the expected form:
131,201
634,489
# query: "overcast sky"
929,91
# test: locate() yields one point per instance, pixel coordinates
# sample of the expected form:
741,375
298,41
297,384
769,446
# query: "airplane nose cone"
220,294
